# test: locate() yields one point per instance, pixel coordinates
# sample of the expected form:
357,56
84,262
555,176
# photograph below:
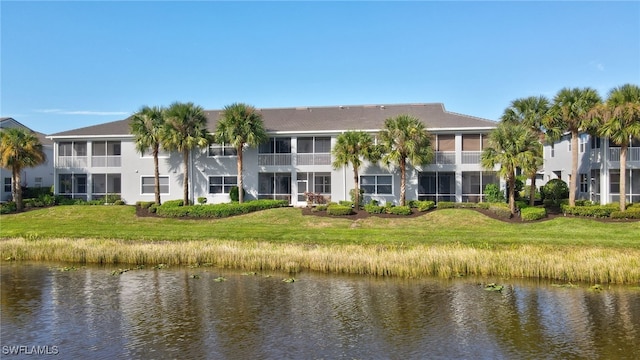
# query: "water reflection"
159,314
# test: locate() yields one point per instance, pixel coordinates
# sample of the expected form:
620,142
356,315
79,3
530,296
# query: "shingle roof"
321,119
7,122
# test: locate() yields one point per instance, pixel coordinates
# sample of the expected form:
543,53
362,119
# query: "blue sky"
66,65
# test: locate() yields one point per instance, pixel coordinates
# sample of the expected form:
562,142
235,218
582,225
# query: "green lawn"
288,225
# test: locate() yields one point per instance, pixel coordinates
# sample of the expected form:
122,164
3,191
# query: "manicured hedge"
339,210
590,210
446,205
630,213
399,210
532,213
171,209
425,205
374,209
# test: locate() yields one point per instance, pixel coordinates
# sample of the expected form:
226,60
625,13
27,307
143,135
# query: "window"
437,186
446,143
148,184
65,149
584,183
583,140
7,184
80,148
222,150
276,146
471,142
377,184
614,182
595,142
553,150
322,183
103,184
274,186
309,145
72,183
222,184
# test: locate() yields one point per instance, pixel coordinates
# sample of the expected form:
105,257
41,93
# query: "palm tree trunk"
623,177
185,195
532,190
573,183
512,194
156,174
16,189
240,182
403,184
356,189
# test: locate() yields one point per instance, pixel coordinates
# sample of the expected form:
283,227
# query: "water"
172,314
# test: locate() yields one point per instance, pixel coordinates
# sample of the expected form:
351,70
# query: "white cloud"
82,112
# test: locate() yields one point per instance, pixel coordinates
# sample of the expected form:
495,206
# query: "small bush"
202,200
533,213
345,203
555,190
352,196
319,208
425,205
144,204
218,210
492,193
339,210
500,210
522,204
234,193
399,210
598,211
374,209
446,205
119,202
172,203
111,198
8,207
630,213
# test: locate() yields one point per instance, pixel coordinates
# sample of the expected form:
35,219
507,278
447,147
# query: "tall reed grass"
565,263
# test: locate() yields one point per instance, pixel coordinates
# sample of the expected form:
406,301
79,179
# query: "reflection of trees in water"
20,289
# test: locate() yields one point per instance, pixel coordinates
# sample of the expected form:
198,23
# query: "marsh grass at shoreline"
568,264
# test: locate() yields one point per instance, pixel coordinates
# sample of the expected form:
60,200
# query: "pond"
206,313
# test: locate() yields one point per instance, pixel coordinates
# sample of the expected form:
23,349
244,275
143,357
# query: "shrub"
630,213
202,200
144,204
319,208
172,203
425,205
339,210
119,202
234,193
352,195
8,207
533,213
502,211
527,191
111,198
345,203
374,209
47,199
399,210
522,204
35,192
218,210
492,193
555,190
590,211
446,205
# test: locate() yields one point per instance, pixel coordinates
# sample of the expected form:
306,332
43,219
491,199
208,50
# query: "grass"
446,243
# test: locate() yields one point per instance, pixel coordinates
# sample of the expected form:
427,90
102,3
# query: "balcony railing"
274,159
72,161
471,157
633,154
106,161
313,159
445,157
595,156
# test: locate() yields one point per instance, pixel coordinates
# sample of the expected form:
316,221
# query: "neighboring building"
598,168
94,161
39,176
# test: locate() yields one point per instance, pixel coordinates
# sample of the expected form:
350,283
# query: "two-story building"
94,161
598,168
39,176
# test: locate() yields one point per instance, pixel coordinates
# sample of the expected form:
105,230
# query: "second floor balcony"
633,154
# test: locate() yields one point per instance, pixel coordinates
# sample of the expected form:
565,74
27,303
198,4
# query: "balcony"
274,159
633,154
445,157
106,161
313,159
72,161
471,157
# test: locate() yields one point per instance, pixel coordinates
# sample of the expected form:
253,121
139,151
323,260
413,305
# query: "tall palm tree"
240,125
619,120
146,125
510,146
569,113
530,112
185,129
352,147
19,149
405,140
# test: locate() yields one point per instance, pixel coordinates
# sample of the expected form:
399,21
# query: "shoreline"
588,264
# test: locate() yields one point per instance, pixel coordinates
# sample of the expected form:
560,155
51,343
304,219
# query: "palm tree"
530,112
19,149
240,125
510,146
405,139
569,113
351,148
146,125
185,129
619,120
